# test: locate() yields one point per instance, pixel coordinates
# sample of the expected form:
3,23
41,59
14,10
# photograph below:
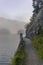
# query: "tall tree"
37,5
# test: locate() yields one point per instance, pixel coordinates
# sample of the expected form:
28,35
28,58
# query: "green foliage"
38,44
40,31
28,25
19,58
37,6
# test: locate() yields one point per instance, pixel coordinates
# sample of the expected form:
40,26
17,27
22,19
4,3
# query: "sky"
16,9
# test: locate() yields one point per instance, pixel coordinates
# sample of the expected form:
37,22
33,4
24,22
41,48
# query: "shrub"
38,44
20,56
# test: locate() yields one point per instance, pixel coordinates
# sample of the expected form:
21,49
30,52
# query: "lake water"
8,46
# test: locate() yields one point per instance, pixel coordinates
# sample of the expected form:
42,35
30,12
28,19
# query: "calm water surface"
8,46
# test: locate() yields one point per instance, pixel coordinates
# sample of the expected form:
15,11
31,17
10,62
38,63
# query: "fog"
12,25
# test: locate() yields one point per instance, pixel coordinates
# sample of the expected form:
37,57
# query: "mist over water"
9,38
8,46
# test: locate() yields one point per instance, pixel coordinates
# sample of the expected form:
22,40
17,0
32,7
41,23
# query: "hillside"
34,30
36,20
